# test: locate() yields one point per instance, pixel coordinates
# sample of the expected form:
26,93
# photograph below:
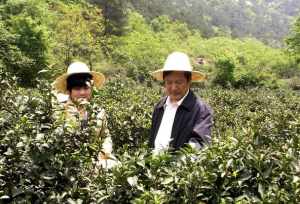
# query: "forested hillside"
48,35
252,86
269,21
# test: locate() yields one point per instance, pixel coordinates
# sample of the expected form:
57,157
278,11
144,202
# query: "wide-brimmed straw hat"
178,61
60,84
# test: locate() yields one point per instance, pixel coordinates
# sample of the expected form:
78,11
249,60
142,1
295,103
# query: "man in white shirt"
180,117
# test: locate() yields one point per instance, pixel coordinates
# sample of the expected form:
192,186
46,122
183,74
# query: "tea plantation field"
254,156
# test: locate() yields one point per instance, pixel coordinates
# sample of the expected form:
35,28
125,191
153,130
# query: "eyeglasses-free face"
176,85
81,92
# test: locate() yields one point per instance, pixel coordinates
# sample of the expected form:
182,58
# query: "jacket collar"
187,103
162,102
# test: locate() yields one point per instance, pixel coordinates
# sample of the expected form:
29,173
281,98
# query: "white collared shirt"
163,136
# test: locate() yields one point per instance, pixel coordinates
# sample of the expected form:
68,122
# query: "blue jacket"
193,119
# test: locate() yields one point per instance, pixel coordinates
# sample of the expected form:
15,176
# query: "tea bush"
254,156
40,156
225,73
129,106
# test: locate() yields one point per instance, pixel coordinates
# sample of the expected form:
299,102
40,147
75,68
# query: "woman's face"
78,93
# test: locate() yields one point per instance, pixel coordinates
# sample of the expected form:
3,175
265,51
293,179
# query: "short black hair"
188,75
78,80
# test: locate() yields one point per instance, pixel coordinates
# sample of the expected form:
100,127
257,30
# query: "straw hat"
178,61
60,84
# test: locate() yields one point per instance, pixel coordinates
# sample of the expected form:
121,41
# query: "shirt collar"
178,103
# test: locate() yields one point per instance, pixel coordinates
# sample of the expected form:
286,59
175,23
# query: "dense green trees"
114,13
266,20
293,40
39,35
144,47
77,34
293,43
23,23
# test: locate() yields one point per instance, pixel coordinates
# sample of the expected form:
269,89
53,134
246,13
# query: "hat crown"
78,67
178,61
60,83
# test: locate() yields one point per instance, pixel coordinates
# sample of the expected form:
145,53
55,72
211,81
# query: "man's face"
80,93
176,85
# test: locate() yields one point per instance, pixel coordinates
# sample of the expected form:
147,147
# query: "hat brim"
60,84
196,76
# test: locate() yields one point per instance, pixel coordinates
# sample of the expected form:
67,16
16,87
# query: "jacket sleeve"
202,129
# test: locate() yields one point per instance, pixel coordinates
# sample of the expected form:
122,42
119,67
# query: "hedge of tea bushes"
253,158
267,114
